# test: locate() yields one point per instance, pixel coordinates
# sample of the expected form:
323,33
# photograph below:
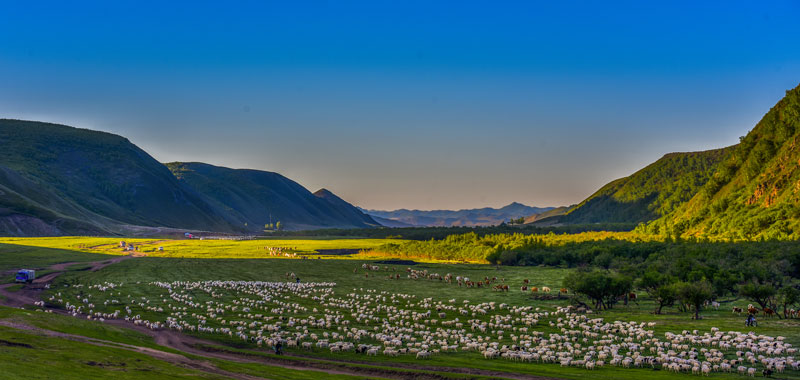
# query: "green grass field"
13,256
196,248
135,275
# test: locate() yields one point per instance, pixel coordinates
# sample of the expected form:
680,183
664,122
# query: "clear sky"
414,104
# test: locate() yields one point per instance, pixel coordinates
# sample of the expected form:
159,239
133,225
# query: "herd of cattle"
313,316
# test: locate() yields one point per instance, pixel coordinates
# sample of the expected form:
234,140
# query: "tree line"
685,274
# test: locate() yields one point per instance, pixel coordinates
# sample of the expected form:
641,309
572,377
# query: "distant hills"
449,218
57,180
746,191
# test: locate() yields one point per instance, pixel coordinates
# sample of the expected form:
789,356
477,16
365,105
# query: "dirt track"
31,293
180,360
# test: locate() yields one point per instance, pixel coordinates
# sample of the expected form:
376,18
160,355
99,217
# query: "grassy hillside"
345,210
256,198
554,213
754,193
69,180
649,193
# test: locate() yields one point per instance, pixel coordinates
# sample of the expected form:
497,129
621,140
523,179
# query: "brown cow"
769,312
524,288
505,288
534,290
563,290
632,296
737,310
525,281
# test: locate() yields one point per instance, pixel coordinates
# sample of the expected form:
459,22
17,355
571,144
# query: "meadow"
201,248
352,286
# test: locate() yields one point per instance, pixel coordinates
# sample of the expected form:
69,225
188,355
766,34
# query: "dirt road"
180,360
30,293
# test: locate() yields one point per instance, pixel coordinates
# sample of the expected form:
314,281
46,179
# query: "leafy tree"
278,225
787,296
695,294
600,287
659,287
762,294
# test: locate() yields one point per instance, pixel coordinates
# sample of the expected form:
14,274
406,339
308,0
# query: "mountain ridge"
56,180
753,194
464,217
746,191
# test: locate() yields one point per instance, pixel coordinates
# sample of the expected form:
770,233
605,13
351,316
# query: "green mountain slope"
754,192
60,180
255,198
553,214
345,210
650,193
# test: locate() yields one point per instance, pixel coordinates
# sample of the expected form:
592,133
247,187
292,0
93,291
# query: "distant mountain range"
57,180
448,218
746,191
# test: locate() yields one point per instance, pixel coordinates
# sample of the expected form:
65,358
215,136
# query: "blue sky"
406,104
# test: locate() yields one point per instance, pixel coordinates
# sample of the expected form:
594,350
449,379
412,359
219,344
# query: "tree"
660,288
600,287
665,295
787,296
761,294
278,225
695,294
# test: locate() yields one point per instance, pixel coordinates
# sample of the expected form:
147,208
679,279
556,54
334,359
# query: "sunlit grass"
197,248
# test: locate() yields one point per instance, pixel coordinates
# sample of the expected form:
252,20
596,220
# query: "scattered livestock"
280,252
312,316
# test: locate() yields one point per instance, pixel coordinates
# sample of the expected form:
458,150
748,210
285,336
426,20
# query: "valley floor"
75,280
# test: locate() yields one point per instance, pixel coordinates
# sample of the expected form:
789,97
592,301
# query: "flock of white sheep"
313,316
